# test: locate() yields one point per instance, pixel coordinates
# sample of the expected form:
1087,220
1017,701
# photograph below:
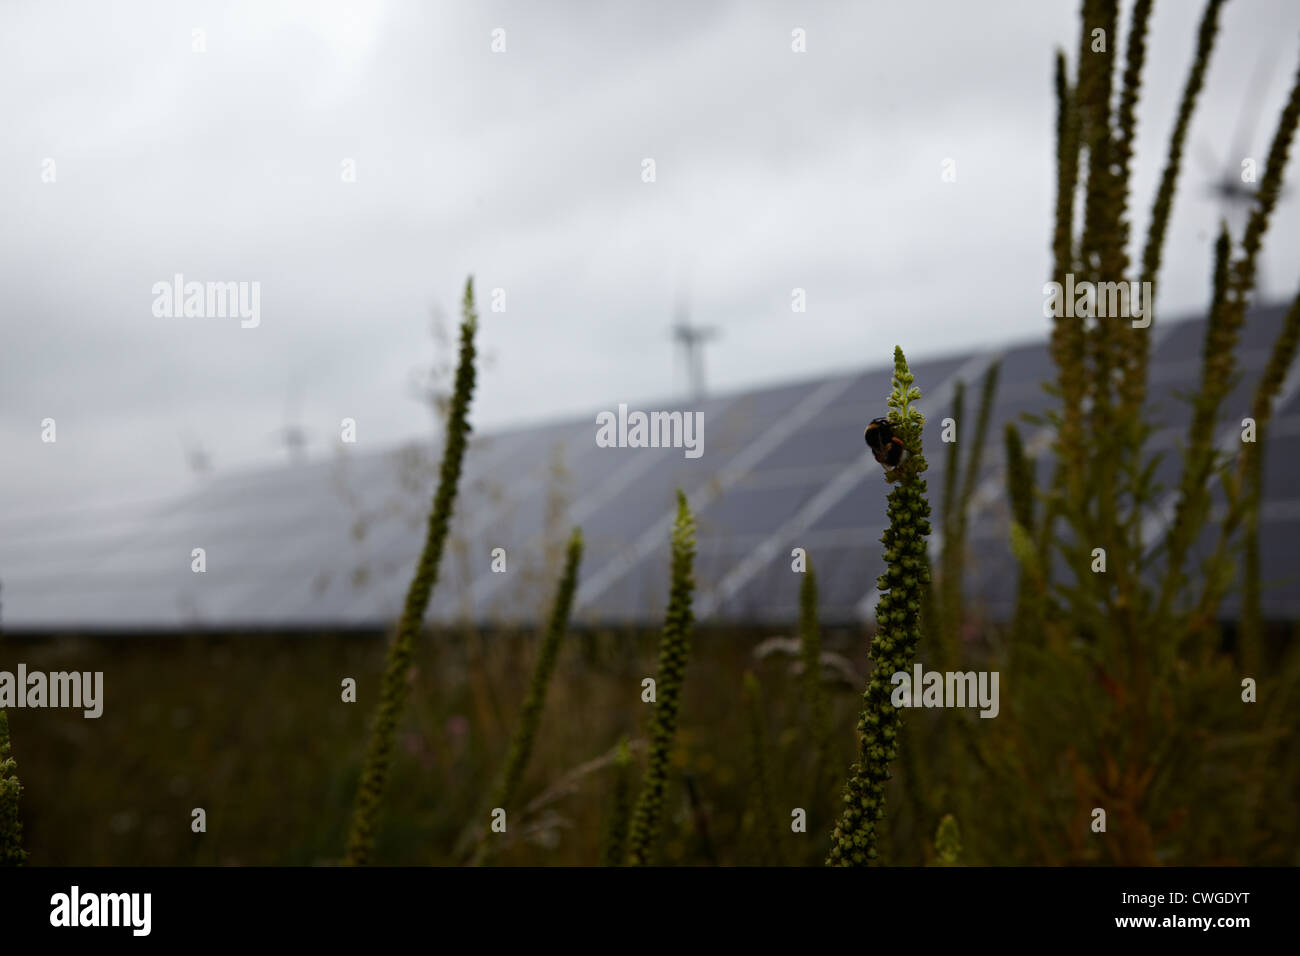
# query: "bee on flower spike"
887,447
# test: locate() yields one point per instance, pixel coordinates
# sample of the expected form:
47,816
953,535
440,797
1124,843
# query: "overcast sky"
774,170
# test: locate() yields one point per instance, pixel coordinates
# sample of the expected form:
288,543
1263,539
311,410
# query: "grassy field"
252,729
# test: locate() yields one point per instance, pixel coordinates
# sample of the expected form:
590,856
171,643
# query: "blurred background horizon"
775,170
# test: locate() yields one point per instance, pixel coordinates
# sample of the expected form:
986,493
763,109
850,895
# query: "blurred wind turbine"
196,457
692,338
292,435
1235,196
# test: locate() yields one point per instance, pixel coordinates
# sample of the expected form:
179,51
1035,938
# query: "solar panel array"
333,543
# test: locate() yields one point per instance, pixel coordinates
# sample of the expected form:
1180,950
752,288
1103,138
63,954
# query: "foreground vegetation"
1122,693
252,729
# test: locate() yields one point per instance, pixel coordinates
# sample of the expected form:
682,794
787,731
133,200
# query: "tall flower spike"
898,628
819,718
392,701
673,648
1163,204
1246,481
613,849
1221,335
1240,284
1251,470
957,506
11,831
521,747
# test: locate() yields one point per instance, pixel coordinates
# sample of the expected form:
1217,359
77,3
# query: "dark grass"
252,729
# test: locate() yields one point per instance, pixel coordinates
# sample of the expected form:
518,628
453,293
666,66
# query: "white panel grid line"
822,502
615,484
699,499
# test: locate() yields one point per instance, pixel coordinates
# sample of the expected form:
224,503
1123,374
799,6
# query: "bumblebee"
884,444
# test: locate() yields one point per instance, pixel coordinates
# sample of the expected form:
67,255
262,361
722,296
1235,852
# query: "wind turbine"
196,456
292,435
1235,196
692,338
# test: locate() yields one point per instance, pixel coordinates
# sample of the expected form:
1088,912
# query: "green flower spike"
898,628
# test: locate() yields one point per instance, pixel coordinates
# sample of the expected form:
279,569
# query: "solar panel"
335,542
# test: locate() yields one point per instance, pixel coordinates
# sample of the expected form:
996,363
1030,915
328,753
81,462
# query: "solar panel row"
333,543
